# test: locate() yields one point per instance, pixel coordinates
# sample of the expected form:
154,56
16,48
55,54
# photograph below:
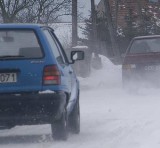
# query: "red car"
142,61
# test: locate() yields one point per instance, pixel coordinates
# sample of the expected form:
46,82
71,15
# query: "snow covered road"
110,117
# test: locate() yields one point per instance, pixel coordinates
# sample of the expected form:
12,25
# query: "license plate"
8,77
152,68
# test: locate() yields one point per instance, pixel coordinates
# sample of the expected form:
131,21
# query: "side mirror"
77,55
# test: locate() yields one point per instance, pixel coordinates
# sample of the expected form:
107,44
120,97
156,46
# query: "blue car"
37,82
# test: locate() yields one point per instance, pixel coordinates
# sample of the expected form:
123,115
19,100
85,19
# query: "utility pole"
111,31
74,23
97,60
139,4
94,27
94,19
116,13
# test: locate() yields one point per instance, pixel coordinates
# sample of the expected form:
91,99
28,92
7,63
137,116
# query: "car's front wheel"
60,127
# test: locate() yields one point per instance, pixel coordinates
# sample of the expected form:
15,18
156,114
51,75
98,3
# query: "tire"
60,128
74,120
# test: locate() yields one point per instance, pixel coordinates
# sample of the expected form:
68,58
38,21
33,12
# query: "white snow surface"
110,117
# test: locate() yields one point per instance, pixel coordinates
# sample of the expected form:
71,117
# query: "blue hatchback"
37,83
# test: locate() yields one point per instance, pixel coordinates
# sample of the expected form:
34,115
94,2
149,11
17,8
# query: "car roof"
145,37
21,26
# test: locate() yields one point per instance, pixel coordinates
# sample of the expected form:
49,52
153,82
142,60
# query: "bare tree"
50,10
33,11
10,8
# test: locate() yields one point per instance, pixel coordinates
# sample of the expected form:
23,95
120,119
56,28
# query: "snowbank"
108,77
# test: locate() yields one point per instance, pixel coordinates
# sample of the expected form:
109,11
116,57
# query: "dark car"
37,83
141,63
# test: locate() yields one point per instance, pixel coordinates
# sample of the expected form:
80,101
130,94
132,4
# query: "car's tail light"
51,75
128,66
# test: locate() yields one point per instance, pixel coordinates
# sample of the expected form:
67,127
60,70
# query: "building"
121,12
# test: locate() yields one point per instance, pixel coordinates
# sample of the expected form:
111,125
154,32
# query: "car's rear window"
19,44
146,45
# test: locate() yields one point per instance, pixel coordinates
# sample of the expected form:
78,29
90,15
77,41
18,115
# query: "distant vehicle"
142,61
86,70
37,83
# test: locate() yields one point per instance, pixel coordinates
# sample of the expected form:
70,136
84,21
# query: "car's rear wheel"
74,119
60,127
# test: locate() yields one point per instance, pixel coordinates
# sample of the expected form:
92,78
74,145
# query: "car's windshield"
145,45
19,44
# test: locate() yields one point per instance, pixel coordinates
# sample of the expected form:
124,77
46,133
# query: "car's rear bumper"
31,108
140,78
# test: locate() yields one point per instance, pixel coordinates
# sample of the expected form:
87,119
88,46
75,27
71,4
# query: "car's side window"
54,47
60,47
